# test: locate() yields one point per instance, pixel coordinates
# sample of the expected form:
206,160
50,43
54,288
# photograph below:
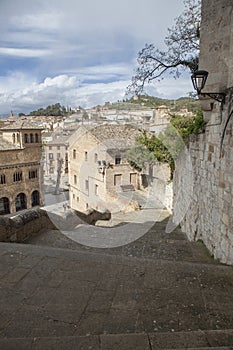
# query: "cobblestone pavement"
159,292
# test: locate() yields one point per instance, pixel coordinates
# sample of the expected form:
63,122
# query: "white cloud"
68,90
10,51
42,21
64,89
77,52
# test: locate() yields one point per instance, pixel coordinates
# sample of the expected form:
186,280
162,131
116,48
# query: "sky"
79,53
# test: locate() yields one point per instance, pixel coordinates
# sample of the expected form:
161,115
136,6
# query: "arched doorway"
20,202
35,198
4,206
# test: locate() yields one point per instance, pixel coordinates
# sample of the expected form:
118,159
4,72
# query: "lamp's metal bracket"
218,96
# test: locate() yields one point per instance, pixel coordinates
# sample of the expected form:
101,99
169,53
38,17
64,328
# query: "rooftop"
6,145
25,125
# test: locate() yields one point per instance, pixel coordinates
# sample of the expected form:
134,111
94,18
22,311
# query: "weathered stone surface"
209,191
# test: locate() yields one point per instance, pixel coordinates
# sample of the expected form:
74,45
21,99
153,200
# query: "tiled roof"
59,140
6,146
25,125
115,132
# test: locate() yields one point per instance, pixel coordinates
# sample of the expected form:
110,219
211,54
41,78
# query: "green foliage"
85,115
53,110
168,146
139,157
146,101
187,126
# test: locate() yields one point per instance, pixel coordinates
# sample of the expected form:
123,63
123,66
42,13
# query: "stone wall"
31,222
207,196
24,225
203,187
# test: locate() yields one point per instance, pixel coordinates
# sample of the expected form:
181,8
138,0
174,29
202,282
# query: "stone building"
56,151
207,182
20,173
99,172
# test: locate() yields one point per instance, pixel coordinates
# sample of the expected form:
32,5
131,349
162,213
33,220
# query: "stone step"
155,244
199,340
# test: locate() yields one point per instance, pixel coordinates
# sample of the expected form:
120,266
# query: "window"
50,155
58,155
2,179
96,158
133,178
86,184
96,190
32,174
18,138
31,138
117,159
77,199
35,198
20,202
74,153
87,205
36,138
75,179
86,156
51,170
73,196
4,206
18,176
117,180
13,136
25,138
50,148
58,148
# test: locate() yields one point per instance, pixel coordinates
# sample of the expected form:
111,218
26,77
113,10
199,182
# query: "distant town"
81,151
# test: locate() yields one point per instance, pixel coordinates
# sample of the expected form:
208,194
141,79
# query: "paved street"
159,292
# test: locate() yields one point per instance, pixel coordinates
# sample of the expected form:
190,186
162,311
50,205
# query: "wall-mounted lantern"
199,78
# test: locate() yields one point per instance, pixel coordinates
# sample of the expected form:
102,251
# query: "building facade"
99,171
56,155
20,168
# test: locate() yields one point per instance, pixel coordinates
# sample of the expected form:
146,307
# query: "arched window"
20,202
4,206
31,138
36,138
18,138
32,174
2,179
18,176
25,138
35,198
74,153
13,137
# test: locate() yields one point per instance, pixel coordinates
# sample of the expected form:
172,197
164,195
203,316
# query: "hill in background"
140,102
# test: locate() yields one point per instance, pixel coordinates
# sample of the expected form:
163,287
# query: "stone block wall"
31,222
206,204
25,225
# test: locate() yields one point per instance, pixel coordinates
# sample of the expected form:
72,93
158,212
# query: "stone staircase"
158,292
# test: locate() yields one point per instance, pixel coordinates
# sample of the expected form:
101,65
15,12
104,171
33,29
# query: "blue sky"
78,52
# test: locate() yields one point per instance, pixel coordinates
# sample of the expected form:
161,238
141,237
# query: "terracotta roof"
115,132
25,125
6,146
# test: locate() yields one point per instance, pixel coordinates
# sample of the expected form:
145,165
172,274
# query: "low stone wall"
25,225
30,223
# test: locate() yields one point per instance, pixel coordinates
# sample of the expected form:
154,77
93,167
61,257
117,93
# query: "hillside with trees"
145,101
53,110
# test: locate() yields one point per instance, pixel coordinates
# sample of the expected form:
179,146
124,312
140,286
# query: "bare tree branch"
182,52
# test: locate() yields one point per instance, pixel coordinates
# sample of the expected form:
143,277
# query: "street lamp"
199,78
